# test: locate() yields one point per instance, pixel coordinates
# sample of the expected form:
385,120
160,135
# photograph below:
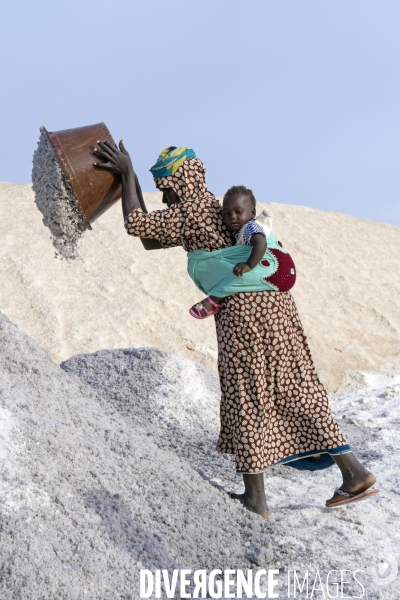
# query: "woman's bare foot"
258,508
254,496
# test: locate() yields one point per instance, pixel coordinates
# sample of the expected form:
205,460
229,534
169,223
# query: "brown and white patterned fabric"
189,181
273,405
196,222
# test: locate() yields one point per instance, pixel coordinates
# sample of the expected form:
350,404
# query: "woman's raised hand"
115,160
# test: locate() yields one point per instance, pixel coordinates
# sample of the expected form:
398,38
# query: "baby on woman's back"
239,215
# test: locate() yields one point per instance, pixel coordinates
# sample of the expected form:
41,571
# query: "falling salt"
56,200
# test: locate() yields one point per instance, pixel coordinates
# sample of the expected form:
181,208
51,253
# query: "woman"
274,409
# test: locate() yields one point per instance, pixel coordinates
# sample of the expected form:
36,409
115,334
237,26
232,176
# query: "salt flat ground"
108,467
108,462
119,295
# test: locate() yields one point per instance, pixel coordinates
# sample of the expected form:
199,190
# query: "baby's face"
237,210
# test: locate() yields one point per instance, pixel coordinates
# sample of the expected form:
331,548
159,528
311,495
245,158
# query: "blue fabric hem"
314,460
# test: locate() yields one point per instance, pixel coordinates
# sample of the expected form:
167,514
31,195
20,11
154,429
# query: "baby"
239,212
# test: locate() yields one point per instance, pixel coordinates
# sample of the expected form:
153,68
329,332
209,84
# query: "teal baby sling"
212,272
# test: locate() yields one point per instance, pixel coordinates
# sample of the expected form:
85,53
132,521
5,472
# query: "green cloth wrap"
212,272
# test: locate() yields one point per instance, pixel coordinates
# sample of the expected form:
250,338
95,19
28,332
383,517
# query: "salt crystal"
56,200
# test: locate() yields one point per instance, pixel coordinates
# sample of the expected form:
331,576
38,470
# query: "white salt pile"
120,296
56,200
87,498
103,475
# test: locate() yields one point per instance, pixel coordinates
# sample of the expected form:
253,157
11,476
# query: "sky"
298,100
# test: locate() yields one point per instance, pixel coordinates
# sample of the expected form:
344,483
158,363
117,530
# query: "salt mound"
117,295
56,200
159,392
87,498
174,399
92,491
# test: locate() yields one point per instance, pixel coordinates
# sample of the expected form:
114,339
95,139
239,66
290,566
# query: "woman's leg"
254,496
356,478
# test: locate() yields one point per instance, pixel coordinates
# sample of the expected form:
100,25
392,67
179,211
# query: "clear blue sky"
297,99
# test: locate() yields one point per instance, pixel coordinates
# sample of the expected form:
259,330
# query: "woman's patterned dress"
273,406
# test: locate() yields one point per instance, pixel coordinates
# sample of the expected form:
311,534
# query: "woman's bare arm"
118,161
140,195
150,244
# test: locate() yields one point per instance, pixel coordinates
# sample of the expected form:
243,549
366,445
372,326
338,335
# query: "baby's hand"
241,268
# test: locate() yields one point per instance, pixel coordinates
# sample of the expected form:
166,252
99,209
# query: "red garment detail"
285,276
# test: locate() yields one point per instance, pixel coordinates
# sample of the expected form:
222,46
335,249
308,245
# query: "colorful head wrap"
188,182
170,160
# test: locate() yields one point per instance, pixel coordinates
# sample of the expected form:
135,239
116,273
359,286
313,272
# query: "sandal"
347,498
196,310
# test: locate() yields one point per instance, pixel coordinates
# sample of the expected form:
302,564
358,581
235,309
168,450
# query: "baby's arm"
259,244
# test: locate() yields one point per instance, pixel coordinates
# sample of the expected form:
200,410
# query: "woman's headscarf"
179,169
170,160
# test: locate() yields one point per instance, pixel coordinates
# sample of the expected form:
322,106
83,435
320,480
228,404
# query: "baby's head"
238,207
